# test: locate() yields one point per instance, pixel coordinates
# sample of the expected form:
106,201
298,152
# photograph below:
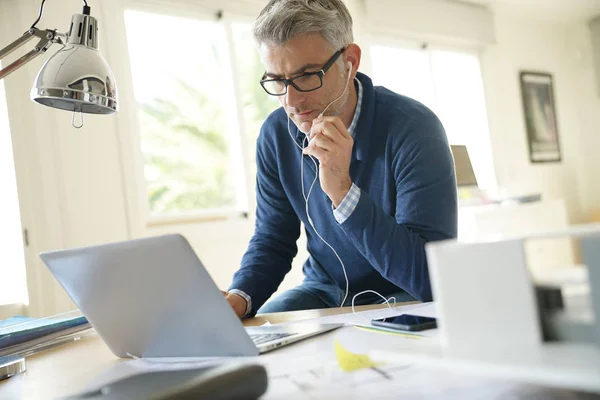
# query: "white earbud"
349,66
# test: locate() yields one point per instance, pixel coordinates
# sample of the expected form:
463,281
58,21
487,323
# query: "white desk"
70,368
66,369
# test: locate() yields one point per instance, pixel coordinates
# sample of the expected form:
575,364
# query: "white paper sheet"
300,380
304,378
310,370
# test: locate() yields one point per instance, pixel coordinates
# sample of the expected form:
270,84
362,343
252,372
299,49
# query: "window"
13,284
450,84
257,105
192,112
182,112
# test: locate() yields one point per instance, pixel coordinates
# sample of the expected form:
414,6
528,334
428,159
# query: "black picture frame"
539,109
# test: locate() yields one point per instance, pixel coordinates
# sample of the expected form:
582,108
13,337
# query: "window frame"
16,308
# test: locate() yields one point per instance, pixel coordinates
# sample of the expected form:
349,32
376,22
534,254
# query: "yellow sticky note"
349,361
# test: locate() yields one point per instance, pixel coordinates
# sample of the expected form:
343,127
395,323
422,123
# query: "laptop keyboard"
268,337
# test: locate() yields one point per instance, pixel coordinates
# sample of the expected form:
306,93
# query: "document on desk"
313,377
325,375
312,369
305,380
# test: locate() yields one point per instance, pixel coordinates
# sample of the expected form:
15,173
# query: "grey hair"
282,20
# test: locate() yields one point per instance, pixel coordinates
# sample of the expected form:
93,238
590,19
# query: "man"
386,183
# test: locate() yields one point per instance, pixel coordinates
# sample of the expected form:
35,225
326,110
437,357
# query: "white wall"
81,187
70,181
589,114
564,51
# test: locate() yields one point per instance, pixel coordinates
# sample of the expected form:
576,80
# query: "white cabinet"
495,222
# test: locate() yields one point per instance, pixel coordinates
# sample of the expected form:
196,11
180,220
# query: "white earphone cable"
307,197
343,93
310,221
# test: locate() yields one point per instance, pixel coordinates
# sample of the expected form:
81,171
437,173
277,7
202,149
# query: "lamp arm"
47,38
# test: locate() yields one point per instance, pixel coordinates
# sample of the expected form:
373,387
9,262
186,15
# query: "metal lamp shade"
77,78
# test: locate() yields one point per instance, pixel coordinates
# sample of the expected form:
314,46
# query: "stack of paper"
23,336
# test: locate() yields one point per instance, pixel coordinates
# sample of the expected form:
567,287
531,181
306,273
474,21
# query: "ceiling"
552,10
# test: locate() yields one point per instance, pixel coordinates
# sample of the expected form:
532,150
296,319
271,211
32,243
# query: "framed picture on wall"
540,116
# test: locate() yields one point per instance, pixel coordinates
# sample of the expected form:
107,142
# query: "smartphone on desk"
406,322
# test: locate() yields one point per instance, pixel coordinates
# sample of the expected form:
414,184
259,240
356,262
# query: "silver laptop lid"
150,297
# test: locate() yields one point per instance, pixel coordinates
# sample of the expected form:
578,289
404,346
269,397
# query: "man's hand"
237,302
331,144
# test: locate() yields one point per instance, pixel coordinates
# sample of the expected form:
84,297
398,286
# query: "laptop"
152,297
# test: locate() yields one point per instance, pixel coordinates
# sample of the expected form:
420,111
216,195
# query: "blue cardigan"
402,163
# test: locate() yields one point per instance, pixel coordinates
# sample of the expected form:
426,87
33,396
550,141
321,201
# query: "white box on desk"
488,315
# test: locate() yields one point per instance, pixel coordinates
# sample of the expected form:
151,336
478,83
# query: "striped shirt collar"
352,127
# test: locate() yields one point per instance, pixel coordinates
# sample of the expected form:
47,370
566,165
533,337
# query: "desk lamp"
76,78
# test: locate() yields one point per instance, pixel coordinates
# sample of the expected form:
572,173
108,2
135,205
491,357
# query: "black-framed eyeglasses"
307,82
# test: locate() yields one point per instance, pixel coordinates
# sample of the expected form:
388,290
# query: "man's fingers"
238,303
332,127
322,142
224,293
337,122
316,152
327,129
